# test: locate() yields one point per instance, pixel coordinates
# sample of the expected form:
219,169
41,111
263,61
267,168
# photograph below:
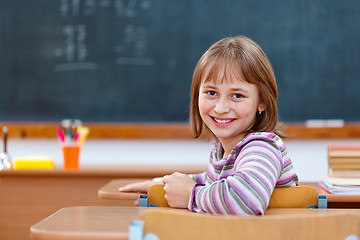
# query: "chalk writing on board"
135,38
127,8
131,47
75,50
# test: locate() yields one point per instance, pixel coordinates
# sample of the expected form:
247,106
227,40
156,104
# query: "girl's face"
228,108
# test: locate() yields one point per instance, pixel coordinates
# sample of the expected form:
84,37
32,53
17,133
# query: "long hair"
242,57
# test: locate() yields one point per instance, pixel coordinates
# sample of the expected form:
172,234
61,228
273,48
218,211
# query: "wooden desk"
29,196
110,191
86,223
104,222
337,200
26,197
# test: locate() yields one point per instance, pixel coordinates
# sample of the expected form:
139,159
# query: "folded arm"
247,190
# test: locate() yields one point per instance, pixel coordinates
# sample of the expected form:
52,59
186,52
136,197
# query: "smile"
222,121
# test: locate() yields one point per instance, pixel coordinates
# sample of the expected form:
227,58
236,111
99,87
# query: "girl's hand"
139,187
178,188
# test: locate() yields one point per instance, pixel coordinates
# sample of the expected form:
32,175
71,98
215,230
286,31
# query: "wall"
309,157
132,61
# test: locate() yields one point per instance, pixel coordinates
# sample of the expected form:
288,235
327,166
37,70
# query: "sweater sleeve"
247,190
199,178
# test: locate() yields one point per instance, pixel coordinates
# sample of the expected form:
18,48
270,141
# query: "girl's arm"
143,187
199,178
178,188
248,189
140,187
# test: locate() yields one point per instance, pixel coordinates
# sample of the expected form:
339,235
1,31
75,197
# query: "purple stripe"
259,163
246,197
268,183
245,186
217,199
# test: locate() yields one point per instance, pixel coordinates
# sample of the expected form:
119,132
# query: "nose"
222,106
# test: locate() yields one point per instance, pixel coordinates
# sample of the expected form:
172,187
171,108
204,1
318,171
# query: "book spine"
323,187
345,166
346,173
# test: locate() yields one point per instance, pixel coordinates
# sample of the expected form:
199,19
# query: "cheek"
203,106
245,111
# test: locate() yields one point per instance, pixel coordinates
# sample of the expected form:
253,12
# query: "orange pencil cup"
71,154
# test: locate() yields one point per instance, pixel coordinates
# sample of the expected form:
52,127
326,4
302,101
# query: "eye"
211,93
238,95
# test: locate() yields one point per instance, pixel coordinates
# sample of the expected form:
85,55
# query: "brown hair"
244,58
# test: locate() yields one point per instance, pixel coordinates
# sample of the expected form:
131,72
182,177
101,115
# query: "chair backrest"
289,197
293,197
156,195
177,224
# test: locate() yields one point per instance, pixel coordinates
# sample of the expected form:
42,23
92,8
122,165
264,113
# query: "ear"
261,107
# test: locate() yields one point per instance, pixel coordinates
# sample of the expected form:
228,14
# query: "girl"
233,102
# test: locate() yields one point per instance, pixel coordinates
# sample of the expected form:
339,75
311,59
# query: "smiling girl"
233,103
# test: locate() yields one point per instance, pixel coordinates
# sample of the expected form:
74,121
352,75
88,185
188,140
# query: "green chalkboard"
132,60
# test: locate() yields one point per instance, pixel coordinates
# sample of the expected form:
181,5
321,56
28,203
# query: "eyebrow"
239,90
231,89
208,86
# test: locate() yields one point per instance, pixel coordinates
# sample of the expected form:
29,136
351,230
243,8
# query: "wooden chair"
165,223
156,195
290,197
175,224
293,197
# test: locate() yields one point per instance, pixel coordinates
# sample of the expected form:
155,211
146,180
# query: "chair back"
289,197
280,224
156,195
293,197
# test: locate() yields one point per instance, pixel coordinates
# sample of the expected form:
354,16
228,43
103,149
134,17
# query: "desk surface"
107,222
110,191
83,223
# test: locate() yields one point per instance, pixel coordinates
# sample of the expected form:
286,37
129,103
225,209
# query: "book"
344,160
344,173
340,185
345,166
342,181
324,187
339,189
344,150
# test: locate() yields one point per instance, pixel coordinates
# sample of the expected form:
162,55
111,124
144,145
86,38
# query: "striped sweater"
242,183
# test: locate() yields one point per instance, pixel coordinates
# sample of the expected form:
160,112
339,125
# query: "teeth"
222,121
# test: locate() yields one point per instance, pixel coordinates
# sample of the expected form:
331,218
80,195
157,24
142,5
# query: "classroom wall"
132,61
309,156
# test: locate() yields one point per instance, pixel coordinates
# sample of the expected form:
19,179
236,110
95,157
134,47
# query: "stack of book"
344,170
340,185
344,161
